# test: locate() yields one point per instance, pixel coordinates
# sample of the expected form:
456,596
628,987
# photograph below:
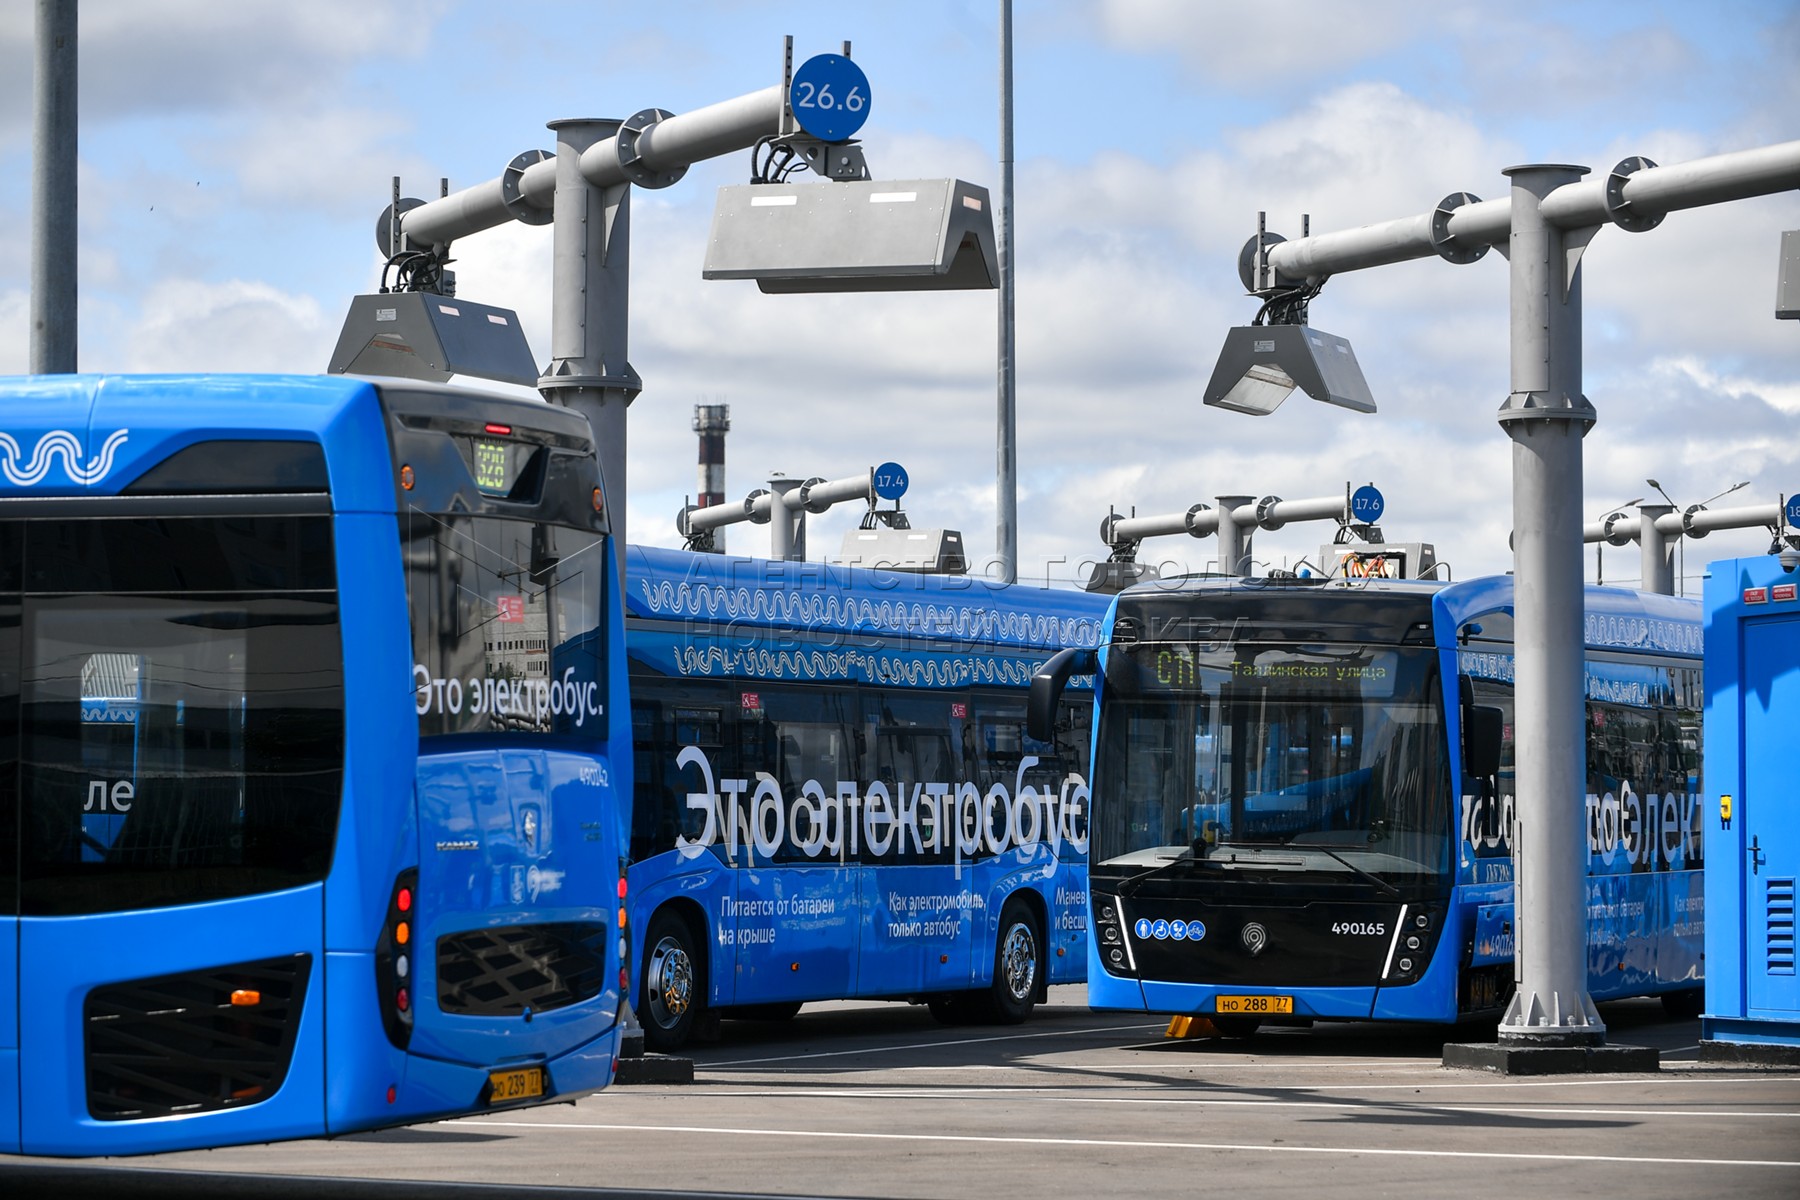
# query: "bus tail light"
624,939
395,952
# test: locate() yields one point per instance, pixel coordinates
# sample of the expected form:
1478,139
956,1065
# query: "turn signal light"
246,998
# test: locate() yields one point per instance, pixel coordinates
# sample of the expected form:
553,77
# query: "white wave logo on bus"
58,443
811,610
910,818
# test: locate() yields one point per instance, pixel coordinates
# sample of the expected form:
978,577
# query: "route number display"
890,481
830,97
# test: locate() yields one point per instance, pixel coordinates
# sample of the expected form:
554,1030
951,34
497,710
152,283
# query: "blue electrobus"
1303,800
314,767
836,796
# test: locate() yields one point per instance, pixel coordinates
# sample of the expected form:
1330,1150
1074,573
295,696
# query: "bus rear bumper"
433,1089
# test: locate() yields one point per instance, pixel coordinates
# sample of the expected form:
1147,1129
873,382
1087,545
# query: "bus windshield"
1283,758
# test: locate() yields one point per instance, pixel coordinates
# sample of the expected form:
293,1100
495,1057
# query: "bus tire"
1018,966
1685,1004
673,993
785,1011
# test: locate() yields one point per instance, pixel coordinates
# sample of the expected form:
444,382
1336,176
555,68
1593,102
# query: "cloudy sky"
235,157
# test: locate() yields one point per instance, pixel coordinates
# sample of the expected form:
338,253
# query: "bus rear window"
177,746
506,618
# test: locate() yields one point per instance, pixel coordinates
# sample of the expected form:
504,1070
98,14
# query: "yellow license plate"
1255,1005
524,1083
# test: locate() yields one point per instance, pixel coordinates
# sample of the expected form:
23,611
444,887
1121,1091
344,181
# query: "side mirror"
1483,727
1047,684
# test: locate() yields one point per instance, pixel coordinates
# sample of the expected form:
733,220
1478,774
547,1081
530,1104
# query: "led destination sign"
1186,668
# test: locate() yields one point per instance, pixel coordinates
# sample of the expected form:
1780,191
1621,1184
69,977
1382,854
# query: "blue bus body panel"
71,956
9,1034
505,833
754,592
133,423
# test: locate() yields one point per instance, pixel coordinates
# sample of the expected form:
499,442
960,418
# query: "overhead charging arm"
1235,518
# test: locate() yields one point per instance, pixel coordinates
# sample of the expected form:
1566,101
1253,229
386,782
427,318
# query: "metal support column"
1547,416
1234,538
1006,530
787,520
590,273
54,137
1656,553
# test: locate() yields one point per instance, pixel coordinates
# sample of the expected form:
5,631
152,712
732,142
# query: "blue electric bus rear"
314,768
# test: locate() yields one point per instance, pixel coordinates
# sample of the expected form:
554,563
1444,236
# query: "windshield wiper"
1373,878
1187,858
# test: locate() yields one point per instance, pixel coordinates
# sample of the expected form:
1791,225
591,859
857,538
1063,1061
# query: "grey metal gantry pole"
53,190
1657,528
1547,416
1546,222
585,189
1006,527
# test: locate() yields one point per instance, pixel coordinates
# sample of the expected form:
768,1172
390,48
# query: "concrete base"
1507,1058
655,1068
1750,1054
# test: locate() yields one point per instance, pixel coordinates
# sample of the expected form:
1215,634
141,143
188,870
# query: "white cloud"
15,319
189,325
139,58
1260,43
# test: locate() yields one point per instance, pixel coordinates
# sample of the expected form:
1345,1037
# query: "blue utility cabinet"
1752,781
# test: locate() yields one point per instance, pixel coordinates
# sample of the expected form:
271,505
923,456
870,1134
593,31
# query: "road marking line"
1111,1144
1011,1037
1205,1098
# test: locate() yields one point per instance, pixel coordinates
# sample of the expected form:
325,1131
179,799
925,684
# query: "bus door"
1770,696
919,896
796,914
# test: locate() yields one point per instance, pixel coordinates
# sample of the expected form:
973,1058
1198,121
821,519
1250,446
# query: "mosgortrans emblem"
1161,930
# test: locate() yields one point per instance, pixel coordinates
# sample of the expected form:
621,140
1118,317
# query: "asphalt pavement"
878,1100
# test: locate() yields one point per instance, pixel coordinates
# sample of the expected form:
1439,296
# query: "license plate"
524,1083
1255,1005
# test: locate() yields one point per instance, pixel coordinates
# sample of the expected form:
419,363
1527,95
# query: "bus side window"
916,739
804,739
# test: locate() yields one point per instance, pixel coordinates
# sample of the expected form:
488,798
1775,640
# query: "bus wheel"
763,1012
674,988
1018,965
1686,1004
1236,1027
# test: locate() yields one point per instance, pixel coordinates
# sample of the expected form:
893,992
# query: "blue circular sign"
1178,930
1160,930
1366,505
1142,928
890,481
1196,930
830,97
1793,511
